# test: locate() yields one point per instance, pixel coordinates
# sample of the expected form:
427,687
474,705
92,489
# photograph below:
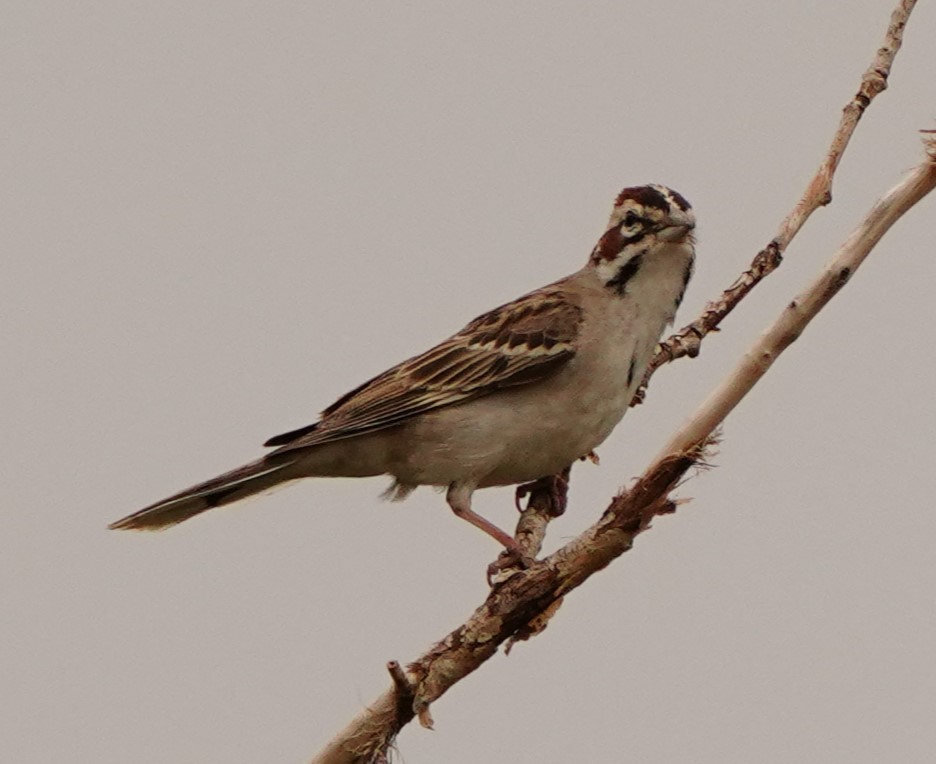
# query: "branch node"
404,694
403,687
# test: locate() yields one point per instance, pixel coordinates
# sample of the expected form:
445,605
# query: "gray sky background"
217,217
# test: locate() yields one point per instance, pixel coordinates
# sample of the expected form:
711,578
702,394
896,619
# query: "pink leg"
459,499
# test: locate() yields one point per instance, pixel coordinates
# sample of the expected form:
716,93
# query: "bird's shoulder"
538,322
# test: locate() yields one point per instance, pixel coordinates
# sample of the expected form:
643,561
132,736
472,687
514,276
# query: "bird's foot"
555,488
512,558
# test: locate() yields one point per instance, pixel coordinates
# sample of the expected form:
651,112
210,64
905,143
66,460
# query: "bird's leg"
459,499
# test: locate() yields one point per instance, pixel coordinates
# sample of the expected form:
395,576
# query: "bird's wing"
516,344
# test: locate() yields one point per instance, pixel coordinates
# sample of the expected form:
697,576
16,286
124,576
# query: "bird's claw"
509,559
557,488
522,492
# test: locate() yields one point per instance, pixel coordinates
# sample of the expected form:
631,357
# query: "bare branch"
520,606
802,309
686,341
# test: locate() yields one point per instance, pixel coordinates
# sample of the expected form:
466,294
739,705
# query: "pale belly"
514,437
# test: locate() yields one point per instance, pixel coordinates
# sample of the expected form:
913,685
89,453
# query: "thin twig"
818,193
405,693
803,308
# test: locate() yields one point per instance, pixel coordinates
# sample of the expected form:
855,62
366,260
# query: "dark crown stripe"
645,196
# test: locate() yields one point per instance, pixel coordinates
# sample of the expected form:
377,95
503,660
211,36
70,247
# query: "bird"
520,393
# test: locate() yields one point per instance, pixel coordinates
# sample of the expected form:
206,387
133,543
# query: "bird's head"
646,222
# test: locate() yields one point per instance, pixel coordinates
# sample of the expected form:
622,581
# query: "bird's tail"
232,486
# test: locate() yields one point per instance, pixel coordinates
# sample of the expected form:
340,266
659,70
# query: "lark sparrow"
519,393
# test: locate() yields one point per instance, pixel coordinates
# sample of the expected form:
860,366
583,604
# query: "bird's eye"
631,219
